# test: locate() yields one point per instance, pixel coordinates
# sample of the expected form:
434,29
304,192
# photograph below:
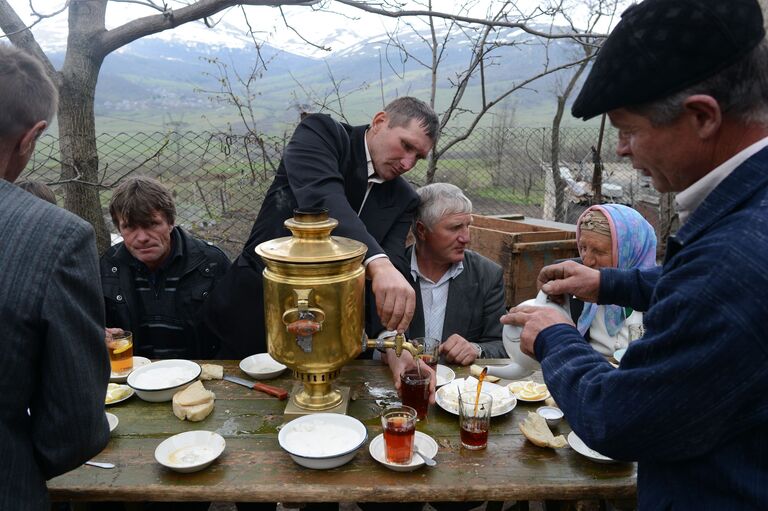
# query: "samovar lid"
311,241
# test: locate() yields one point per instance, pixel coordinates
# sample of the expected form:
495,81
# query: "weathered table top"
255,468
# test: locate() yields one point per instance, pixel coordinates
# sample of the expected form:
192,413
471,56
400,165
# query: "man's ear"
380,120
706,114
27,141
421,230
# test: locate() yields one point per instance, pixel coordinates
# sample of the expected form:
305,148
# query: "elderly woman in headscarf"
612,236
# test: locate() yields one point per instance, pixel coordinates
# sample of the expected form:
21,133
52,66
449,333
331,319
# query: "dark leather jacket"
200,267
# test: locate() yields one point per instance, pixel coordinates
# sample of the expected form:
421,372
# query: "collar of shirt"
453,271
373,178
690,198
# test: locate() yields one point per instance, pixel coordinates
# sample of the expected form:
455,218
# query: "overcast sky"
325,28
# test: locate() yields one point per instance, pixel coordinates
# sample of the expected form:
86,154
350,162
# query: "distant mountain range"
159,83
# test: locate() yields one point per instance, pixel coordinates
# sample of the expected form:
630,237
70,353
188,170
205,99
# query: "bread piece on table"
535,429
195,394
211,372
194,413
193,403
475,371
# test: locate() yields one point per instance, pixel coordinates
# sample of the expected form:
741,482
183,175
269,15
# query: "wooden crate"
522,248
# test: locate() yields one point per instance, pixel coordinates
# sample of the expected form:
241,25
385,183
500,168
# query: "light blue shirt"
434,296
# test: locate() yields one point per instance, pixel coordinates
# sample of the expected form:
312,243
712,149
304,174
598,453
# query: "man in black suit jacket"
354,172
54,367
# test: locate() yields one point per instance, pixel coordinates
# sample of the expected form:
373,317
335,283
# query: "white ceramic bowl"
113,421
190,451
159,381
322,440
261,366
551,414
424,442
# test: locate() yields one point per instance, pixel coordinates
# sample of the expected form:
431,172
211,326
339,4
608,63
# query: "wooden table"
255,468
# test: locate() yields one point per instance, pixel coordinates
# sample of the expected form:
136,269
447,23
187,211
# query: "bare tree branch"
465,19
20,35
147,3
172,18
288,25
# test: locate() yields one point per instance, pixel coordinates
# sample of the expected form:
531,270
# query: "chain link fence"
219,179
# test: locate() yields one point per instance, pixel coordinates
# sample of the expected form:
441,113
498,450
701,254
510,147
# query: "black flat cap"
663,46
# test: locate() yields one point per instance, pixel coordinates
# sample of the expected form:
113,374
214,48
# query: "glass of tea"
414,389
120,348
399,424
431,353
474,418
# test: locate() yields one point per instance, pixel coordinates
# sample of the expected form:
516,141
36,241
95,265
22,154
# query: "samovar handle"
303,321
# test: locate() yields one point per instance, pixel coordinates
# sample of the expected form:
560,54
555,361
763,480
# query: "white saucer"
578,445
123,377
261,366
447,397
112,420
444,375
127,396
190,451
424,442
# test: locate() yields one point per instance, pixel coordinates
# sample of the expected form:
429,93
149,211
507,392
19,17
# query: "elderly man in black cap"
686,84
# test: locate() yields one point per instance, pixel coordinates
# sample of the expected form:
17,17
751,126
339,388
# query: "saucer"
123,377
190,451
444,375
424,442
112,420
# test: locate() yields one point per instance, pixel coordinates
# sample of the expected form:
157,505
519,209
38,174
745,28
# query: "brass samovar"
314,308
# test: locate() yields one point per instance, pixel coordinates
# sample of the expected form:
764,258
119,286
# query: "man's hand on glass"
399,365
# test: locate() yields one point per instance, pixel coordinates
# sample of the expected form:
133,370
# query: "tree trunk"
555,161
77,127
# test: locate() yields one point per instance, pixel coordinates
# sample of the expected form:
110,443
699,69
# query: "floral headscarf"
633,245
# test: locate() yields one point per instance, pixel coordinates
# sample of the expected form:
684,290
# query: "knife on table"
269,389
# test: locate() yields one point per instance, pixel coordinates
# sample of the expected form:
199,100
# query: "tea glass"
120,348
399,423
414,387
474,421
431,353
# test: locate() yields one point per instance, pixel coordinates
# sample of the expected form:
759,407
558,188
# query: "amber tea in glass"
414,387
399,424
120,348
474,418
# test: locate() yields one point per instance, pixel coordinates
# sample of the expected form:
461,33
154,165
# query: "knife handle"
279,393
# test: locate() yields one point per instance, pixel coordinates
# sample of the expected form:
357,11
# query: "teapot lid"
311,241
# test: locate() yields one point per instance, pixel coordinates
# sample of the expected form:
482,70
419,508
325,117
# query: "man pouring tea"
686,85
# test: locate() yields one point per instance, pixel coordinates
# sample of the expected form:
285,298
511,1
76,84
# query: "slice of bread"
193,413
535,429
193,395
212,372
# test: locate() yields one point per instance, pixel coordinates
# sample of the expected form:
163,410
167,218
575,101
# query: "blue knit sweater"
689,402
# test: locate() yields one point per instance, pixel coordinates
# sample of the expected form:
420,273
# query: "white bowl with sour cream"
323,440
159,381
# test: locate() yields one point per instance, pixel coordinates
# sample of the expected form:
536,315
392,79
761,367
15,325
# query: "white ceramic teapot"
522,365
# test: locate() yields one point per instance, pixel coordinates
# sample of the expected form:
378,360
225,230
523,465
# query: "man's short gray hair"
402,110
741,89
439,200
27,94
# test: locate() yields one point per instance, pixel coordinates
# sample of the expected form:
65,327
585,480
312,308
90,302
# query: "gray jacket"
54,367
475,304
